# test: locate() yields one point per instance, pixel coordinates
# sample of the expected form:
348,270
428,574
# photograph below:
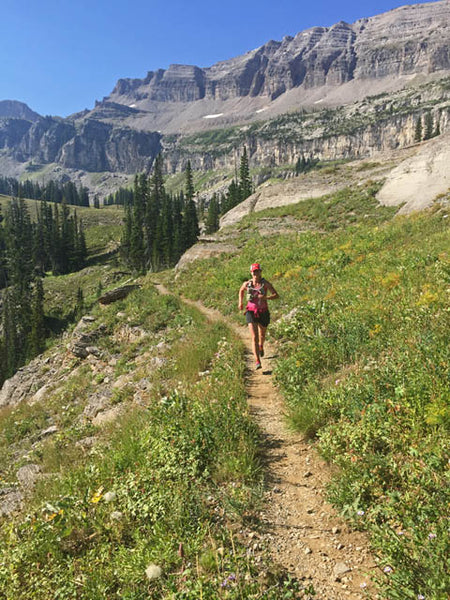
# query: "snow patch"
262,109
213,116
132,105
319,101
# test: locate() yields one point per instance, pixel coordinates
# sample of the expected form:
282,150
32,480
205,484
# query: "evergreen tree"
153,225
177,224
39,249
3,268
245,182
166,233
212,216
84,196
11,342
37,333
136,258
190,228
428,126
19,245
189,182
232,198
418,130
158,227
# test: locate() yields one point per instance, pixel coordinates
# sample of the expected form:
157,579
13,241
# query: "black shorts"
263,319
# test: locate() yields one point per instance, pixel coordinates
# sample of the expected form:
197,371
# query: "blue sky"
59,56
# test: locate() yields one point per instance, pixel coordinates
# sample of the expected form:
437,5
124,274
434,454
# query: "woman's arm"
241,295
274,295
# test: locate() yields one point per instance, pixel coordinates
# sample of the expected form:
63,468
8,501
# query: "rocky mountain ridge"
372,53
289,84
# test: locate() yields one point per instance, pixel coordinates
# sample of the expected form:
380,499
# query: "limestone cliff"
372,54
346,91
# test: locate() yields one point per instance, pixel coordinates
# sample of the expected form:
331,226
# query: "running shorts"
263,319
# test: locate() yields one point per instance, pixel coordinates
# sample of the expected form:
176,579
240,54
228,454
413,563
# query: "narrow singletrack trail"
302,531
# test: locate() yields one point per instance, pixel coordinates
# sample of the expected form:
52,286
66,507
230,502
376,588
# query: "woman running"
257,311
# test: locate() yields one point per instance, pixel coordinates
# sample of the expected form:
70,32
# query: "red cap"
255,267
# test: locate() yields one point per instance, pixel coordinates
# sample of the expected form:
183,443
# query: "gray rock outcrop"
17,110
418,180
408,40
320,68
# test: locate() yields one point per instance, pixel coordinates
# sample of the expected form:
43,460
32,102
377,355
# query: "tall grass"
364,366
167,484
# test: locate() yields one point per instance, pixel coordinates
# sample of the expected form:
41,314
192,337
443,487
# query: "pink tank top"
255,303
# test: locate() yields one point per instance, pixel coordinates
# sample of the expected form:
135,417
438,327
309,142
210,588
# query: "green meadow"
361,330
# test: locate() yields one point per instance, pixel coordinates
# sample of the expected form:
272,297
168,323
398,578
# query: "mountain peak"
17,110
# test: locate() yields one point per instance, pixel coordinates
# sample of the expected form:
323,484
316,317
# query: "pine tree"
84,196
19,245
177,221
428,126
3,268
166,233
36,342
231,199
190,228
245,182
189,182
154,203
11,347
39,245
212,216
136,258
418,130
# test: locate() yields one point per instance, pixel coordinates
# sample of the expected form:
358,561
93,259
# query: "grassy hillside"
362,330
168,484
173,477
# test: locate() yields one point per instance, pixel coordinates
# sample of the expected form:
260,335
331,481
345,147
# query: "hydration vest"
256,304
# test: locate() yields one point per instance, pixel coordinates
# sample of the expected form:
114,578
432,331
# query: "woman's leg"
253,328
261,335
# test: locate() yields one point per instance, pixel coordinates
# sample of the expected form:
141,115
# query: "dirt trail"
302,530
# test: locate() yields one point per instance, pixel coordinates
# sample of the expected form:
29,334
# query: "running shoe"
258,365
261,352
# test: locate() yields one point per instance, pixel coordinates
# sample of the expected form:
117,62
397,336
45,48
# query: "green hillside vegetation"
108,216
362,335
362,330
169,484
39,242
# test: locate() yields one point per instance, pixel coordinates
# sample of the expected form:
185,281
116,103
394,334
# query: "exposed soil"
301,530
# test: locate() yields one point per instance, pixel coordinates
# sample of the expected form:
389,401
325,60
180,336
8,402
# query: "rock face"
408,40
17,110
319,68
418,180
90,145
